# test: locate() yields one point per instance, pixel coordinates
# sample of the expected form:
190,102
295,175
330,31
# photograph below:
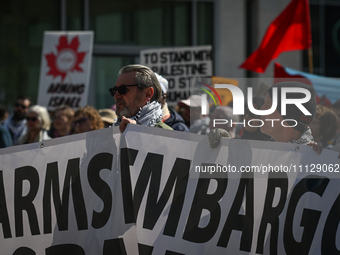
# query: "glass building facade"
123,28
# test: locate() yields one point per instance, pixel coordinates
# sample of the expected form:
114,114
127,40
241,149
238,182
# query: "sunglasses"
20,105
122,89
34,119
81,121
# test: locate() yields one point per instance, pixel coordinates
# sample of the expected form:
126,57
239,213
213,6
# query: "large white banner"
65,69
179,65
154,191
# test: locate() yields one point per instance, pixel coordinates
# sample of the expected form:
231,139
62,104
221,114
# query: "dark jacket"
176,122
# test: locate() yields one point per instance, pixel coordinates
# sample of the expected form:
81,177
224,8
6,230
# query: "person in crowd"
336,109
297,131
108,116
300,133
324,126
87,119
190,110
38,124
62,121
137,92
5,136
226,120
170,117
16,122
253,132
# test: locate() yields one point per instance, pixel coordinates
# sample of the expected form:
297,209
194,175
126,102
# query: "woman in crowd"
38,123
324,125
62,121
87,119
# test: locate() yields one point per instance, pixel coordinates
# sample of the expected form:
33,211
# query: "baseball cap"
108,115
163,82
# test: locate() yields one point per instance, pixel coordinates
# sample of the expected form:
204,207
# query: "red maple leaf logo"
67,59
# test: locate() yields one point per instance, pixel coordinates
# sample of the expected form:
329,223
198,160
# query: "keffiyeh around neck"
149,115
305,138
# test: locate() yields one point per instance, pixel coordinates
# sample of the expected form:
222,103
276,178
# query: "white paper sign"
179,65
65,69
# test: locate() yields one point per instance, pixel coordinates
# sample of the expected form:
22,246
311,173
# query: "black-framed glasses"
122,89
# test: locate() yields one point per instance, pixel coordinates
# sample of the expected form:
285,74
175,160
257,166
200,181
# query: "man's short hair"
23,97
145,77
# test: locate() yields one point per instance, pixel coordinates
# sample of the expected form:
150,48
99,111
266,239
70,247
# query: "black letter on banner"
271,214
101,188
152,169
65,249
3,210
236,221
114,246
72,179
328,245
24,251
144,249
61,207
173,253
51,180
21,203
203,200
310,218
127,159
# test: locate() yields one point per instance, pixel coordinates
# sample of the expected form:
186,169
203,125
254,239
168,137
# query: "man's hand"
215,136
318,147
124,122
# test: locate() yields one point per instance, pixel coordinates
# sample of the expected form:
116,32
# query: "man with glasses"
137,92
16,122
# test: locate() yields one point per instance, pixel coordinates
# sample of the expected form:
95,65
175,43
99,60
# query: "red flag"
289,31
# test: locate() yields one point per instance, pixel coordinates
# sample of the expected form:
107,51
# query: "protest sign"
65,69
180,66
154,191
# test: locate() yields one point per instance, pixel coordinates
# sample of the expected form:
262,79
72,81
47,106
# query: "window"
22,25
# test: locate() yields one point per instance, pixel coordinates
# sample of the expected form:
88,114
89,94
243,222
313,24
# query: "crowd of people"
141,98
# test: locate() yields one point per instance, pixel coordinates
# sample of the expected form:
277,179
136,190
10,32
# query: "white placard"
179,65
65,69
